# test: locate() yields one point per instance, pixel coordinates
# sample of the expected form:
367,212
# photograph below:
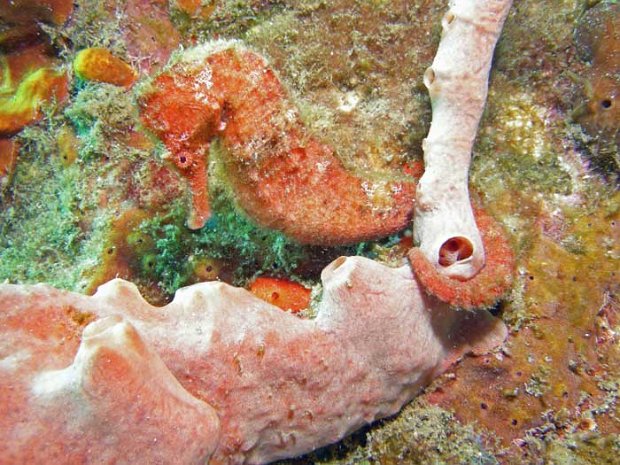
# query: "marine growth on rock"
225,152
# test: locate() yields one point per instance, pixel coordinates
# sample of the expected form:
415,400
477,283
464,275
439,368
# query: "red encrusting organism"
484,289
282,175
283,293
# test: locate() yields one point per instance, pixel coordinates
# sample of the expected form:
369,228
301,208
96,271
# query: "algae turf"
231,18
93,24
43,237
584,449
228,235
101,114
51,221
421,434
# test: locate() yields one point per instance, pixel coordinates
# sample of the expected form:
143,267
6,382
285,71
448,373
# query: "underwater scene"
309,232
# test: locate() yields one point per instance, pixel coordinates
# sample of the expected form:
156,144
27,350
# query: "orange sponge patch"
287,295
98,64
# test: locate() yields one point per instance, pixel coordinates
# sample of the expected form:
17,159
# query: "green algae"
100,114
52,226
42,232
231,236
228,235
538,383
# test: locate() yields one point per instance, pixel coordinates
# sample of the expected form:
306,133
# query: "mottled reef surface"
87,193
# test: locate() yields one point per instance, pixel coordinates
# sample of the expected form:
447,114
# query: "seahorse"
283,176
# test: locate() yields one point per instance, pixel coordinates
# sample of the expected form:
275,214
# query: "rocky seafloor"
88,193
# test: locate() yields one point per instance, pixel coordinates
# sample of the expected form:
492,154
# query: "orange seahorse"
283,176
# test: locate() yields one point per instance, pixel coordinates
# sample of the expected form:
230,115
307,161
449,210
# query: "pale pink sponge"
489,284
444,226
217,375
